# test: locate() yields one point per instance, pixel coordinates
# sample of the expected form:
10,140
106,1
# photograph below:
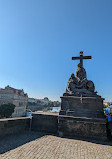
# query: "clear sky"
39,37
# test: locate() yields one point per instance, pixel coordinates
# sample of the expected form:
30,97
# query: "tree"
6,110
51,104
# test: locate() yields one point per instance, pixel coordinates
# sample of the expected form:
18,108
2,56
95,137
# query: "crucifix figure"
81,58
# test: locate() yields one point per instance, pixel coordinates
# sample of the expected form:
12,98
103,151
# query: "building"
32,100
16,97
45,100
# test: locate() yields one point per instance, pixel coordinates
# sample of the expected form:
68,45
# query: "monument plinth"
80,98
90,107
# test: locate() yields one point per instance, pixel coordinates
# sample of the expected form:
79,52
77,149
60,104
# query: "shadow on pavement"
101,142
10,142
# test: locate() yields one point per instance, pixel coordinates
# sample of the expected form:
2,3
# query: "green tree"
51,104
6,110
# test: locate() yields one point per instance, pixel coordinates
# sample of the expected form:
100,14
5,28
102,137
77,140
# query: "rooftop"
14,89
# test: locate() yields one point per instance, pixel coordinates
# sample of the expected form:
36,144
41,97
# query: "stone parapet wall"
45,123
14,125
65,126
82,127
68,126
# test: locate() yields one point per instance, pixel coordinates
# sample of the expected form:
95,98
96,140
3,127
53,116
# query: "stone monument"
81,113
80,98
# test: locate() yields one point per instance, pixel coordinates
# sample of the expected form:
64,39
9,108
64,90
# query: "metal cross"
81,58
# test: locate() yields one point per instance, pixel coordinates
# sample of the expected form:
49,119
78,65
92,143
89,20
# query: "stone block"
91,107
45,123
13,125
82,127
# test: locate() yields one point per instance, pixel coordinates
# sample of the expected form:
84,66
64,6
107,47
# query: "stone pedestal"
90,107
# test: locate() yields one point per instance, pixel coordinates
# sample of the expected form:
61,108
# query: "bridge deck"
33,145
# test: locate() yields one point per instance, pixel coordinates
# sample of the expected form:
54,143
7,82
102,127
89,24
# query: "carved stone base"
90,107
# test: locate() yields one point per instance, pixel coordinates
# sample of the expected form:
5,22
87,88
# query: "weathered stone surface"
70,126
45,123
91,107
79,85
13,125
82,127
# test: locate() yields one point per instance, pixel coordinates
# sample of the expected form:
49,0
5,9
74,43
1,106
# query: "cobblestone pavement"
33,145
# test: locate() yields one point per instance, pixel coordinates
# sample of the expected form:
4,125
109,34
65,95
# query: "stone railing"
65,126
14,125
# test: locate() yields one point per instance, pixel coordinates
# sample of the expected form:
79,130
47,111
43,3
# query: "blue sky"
39,37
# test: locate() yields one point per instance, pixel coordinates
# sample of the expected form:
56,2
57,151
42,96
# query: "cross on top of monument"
81,58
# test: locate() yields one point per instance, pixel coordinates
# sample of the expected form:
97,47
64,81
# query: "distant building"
45,100
16,97
32,100
56,103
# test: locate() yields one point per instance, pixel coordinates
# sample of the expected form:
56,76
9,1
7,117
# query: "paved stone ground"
33,145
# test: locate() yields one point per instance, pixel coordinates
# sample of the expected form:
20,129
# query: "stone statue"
79,85
72,84
80,98
80,73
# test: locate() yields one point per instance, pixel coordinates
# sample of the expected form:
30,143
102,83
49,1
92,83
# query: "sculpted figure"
80,73
81,76
90,86
72,84
79,84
